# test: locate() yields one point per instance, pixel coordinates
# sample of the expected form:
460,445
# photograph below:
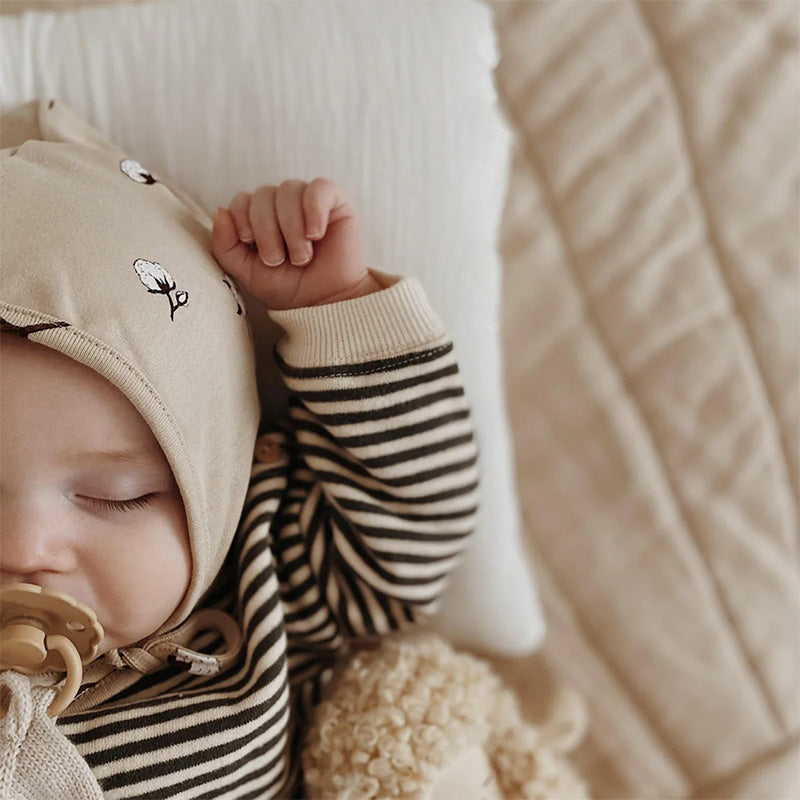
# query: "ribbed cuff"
382,324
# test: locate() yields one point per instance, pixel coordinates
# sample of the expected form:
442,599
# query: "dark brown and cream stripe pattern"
349,533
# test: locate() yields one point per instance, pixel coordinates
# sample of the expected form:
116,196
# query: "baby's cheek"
165,567
151,575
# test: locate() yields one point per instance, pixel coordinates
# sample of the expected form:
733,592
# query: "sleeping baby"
205,568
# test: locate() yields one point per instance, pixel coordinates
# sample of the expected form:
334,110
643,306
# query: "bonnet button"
267,450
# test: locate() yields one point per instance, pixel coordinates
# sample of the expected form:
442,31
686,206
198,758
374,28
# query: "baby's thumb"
231,253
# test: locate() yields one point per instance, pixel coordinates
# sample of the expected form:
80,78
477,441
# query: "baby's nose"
30,543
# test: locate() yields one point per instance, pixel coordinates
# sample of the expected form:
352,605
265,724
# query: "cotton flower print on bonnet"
159,281
136,172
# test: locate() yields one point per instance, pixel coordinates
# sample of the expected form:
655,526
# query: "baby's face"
88,503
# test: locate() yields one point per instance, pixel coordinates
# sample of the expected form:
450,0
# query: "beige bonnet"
105,263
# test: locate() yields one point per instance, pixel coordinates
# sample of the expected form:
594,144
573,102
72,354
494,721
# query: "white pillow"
395,101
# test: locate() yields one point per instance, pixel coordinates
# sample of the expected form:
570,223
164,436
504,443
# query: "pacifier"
46,631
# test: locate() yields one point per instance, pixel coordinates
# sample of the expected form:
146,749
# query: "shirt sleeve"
383,475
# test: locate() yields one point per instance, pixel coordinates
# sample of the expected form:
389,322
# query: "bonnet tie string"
173,647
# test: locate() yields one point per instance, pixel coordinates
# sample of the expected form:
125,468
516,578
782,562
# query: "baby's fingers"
235,257
269,238
240,211
289,208
320,197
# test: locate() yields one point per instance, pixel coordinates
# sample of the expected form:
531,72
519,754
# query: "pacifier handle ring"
74,665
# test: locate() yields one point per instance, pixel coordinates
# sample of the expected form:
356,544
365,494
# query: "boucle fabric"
397,716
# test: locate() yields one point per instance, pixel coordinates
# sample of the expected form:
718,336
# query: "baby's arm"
382,493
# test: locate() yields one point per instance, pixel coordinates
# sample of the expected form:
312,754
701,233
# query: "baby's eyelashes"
108,504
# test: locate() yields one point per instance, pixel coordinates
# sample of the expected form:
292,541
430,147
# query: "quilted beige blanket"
650,246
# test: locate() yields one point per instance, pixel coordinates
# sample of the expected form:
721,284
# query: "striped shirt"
349,530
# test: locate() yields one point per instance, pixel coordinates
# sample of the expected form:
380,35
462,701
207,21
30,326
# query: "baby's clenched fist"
293,245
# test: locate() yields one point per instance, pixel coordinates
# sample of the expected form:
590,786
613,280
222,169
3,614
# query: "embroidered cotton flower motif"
159,281
154,276
135,171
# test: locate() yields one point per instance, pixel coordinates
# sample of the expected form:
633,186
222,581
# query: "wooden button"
267,450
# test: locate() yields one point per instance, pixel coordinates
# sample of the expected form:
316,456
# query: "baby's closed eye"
108,504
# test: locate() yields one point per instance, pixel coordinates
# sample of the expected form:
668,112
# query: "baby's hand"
293,245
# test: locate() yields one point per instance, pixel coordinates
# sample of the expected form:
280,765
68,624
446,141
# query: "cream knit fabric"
37,762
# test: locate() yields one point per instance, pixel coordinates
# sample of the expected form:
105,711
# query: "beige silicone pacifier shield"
47,631
24,608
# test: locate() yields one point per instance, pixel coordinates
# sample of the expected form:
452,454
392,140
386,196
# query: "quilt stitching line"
636,407
549,201
613,674
715,242
762,757
719,260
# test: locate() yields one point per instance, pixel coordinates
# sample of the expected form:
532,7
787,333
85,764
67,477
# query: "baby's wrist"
367,285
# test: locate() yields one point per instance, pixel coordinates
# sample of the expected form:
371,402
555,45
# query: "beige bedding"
650,249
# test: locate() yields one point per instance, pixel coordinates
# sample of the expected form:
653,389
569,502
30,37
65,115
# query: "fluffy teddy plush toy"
413,718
